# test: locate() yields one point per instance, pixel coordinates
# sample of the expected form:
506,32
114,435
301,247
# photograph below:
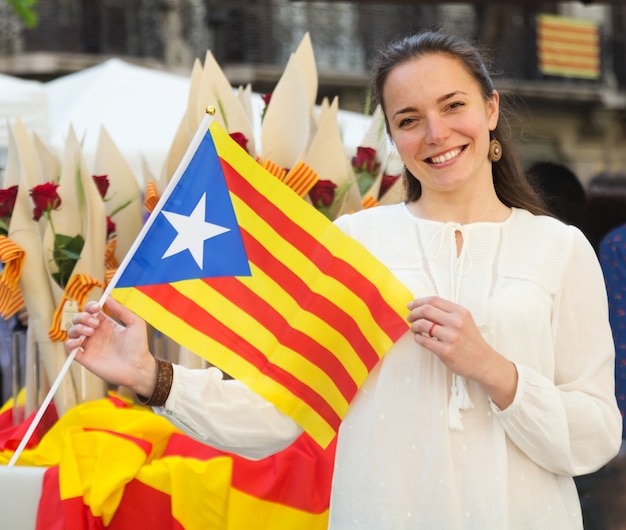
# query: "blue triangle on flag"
221,255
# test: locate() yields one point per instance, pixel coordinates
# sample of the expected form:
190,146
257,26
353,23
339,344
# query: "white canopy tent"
141,109
23,99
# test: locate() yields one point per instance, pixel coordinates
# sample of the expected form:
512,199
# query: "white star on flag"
193,231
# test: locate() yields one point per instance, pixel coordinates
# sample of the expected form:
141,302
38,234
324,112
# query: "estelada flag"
236,267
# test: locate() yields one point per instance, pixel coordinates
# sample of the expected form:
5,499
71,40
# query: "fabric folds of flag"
118,466
236,267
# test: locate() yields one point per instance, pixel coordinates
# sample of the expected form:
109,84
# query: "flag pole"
42,408
199,135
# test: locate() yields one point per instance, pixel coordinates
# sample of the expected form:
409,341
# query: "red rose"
7,201
323,193
266,99
110,227
102,181
240,139
45,198
386,183
365,160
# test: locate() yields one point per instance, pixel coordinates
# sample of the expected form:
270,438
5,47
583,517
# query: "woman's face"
439,121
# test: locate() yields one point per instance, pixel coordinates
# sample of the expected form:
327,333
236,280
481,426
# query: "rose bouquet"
23,170
366,168
7,203
66,249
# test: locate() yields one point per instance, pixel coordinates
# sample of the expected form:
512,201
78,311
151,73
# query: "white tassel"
459,400
454,410
465,402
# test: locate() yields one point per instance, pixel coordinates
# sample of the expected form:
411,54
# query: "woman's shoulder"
549,226
547,235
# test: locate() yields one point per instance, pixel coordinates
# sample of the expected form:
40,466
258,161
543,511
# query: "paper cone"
244,95
36,380
286,125
50,164
216,90
35,285
376,138
177,150
305,57
326,156
123,188
395,193
82,212
184,133
148,176
28,157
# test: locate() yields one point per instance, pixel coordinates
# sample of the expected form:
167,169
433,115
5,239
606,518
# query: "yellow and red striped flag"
568,47
236,267
108,460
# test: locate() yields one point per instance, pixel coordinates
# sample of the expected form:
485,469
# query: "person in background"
502,390
605,205
561,190
612,256
603,493
8,328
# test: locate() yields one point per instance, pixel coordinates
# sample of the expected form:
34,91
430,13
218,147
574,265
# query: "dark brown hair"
509,178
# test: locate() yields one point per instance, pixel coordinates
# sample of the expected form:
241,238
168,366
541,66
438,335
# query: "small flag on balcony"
568,47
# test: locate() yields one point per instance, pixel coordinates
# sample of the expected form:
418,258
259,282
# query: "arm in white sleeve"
226,414
568,422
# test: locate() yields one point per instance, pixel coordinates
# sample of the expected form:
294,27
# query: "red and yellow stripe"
307,326
118,466
568,47
301,179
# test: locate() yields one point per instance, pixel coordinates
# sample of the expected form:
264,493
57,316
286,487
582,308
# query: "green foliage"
25,9
65,254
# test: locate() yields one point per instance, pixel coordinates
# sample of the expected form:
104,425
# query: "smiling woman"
480,415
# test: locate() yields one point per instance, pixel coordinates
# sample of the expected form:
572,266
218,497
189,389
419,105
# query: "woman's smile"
446,156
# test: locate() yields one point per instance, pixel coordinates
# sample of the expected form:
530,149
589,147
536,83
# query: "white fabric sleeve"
226,414
570,424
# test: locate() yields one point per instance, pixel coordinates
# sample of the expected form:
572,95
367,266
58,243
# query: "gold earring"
495,150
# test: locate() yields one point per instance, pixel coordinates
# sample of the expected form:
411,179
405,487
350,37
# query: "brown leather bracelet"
165,377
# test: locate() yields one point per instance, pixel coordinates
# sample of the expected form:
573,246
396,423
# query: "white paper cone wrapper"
286,125
82,212
216,90
50,163
35,287
123,188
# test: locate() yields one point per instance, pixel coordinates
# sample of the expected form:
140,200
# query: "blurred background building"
571,107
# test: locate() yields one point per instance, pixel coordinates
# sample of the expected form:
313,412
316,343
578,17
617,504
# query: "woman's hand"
449,331
115,349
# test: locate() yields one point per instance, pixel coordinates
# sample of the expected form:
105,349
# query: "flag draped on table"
115,465
236,267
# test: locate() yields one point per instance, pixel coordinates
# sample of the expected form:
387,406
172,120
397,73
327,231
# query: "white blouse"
406,458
